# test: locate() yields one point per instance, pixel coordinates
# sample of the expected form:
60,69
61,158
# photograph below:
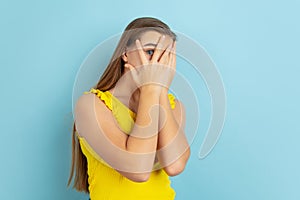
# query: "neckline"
131,111
134,113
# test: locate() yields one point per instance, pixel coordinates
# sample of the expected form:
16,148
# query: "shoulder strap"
107,98
124,116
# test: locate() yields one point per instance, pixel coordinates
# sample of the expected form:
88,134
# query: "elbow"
139,178
138,175
178,166
175,168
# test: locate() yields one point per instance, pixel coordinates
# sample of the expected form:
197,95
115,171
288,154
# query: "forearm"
173,147
143,137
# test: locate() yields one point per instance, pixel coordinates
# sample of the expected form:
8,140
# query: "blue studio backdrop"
254,44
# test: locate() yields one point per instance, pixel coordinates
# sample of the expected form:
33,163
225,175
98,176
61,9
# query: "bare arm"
144,140
95,122
133,156
173,148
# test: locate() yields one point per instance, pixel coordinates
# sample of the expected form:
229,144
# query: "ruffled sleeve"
172,100
124,116
106,97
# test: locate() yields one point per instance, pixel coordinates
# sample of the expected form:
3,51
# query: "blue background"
255,45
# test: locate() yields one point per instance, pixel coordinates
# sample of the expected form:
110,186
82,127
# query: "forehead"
152,37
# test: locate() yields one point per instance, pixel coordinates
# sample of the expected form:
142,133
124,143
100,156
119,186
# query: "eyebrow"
150,44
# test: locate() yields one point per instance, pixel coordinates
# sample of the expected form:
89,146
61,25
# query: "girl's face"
148,41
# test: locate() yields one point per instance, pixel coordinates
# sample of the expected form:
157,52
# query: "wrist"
151,89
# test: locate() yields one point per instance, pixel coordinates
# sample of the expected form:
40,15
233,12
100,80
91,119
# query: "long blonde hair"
108,80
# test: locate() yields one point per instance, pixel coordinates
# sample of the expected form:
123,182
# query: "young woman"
128,134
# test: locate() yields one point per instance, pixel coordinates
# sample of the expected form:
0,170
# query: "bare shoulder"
178,103
88,108
179,106
179,112
84,100
89,101
92,113
83,103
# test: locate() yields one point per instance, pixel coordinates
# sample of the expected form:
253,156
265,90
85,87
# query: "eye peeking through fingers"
149,52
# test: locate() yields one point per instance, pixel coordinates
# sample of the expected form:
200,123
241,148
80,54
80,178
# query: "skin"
148,41
175,118
166,124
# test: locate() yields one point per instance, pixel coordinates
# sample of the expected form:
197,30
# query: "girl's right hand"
157,72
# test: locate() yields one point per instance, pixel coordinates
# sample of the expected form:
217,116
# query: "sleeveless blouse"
107,183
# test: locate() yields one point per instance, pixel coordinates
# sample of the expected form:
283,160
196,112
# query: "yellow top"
105,182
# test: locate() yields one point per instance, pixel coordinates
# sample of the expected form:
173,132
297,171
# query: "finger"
129,66
143,57
158,49
164,59
173,62
132,70
174,47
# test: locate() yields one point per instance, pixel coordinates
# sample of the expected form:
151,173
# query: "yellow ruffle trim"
107,98
172,100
